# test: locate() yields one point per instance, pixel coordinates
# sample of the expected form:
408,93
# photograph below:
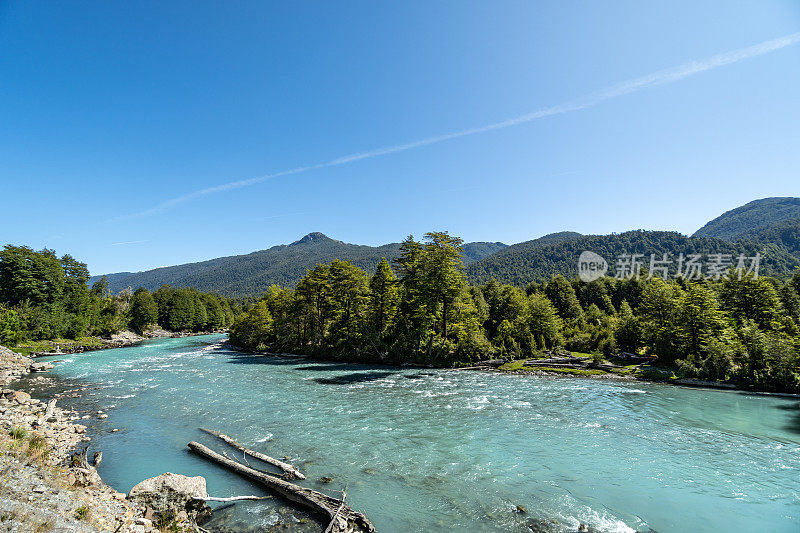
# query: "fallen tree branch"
333,522
347,520
288,469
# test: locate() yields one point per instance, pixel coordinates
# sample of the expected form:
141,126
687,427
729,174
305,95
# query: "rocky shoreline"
46,486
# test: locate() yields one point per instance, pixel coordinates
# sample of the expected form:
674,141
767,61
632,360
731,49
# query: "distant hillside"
769,220
784,234
540,259
770,226
251,274
747,220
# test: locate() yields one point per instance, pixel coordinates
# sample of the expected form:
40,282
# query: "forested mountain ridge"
540,259
748,220
769,225
251,274
768,220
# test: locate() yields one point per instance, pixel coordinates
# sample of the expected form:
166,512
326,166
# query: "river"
435,450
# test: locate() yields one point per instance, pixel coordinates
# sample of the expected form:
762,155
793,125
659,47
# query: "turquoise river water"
435,450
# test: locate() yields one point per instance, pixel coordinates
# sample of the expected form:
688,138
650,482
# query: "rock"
19,396
325,479
41,367
86,477
79,429
144,522
171,493
103,416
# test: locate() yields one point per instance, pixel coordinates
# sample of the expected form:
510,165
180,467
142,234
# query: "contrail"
660,77
125,243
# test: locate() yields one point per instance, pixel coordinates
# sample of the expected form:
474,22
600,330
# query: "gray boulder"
41,367
172,494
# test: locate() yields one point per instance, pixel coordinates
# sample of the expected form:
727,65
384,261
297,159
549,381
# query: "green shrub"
18,433
82,513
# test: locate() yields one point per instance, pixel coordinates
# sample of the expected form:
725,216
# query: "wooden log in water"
288,469
230,498
344,519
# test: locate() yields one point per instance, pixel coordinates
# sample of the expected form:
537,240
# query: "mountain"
770,226
747,220
767,221
251,274
543,258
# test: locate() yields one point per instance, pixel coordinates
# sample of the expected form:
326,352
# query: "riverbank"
122,339
43,487
603,370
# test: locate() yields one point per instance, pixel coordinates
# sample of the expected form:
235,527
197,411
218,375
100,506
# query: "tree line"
43,296
422,310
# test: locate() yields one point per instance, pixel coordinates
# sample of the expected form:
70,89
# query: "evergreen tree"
348,297
384,298
313,292
750,298
443,272
560,292
143,310
699,319
543,321
627,330
659,310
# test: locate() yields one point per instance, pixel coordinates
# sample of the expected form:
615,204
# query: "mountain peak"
314,236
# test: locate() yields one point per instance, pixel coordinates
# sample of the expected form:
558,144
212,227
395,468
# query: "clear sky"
132,133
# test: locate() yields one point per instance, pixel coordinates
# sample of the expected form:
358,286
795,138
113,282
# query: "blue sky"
111,110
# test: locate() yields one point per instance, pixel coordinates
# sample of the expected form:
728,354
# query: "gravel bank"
41,489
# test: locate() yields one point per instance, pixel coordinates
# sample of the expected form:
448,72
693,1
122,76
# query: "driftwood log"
290,470
230,498
343,519
335,518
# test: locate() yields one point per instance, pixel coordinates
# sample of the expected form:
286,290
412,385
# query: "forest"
543,258
421,309
43,296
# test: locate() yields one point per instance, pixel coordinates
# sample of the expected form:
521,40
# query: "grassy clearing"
513,366
66,345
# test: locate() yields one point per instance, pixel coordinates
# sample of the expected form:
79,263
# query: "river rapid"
437,450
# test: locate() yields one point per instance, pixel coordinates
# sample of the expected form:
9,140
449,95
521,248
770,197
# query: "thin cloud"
660,77
125,243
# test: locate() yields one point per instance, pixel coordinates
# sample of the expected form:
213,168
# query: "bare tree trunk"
345,519
288,469
230,499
